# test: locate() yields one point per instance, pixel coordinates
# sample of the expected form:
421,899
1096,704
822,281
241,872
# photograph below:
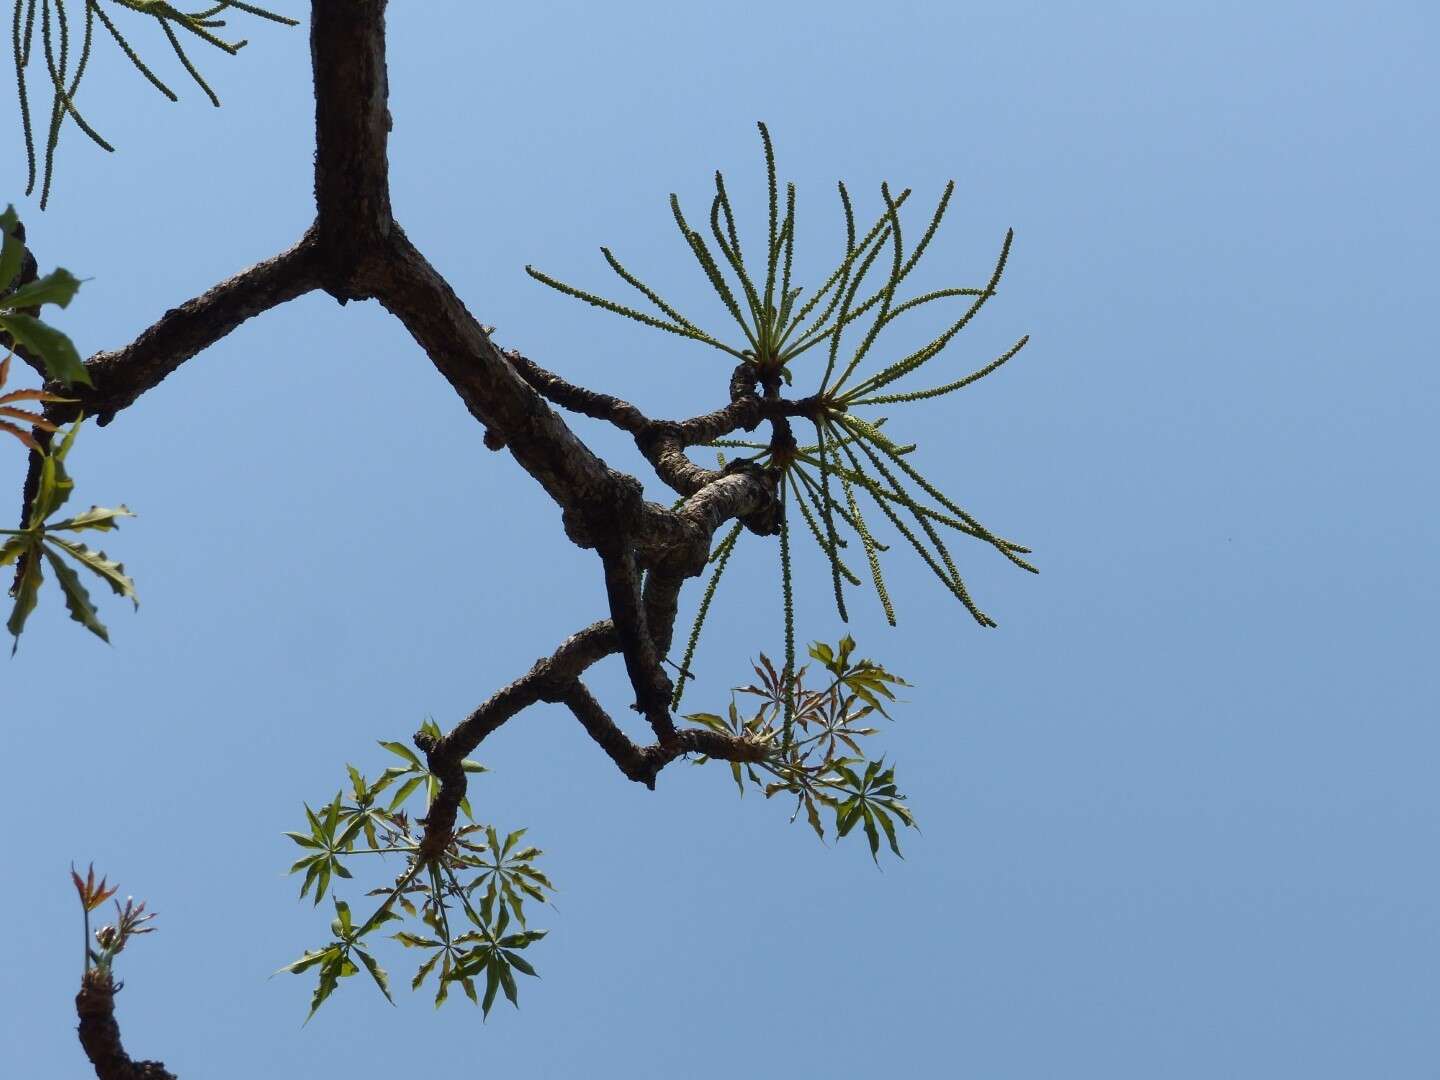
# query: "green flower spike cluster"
66,63
850,456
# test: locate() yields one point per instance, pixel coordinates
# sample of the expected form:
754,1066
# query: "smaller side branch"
662,442
120,377
543,682
643,763
596,721
576,398
642,657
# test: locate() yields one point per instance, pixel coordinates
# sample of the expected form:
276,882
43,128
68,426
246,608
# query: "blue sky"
1179,809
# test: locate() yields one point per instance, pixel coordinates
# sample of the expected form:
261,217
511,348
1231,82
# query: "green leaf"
507,982
14,547
342,917
311,876
889,827
813,816
492,984
26,594
307,961
347,838
870,833
57,287
377,973
316,827
110,571
55,350
329,978
424,970
709,720
77,600
400,750
443,990
99,518
55,484
12,255
405,791
519,963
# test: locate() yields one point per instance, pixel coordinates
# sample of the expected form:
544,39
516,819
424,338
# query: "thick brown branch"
663,442
663,445
597,499
121,376
352,127
100,1034
745,491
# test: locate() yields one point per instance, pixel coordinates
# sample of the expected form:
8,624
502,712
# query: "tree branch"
662,597
642,659
356,250
100,1034
352,129
120,377
544,681
576,398
643,764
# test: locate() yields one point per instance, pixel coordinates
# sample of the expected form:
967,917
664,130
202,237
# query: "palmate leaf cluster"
45,542
823,764
851,462
57,36
467,904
